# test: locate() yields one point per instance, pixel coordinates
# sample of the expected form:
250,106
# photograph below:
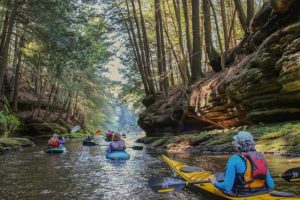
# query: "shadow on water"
84,173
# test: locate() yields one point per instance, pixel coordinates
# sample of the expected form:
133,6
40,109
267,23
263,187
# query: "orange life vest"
54,142
256,170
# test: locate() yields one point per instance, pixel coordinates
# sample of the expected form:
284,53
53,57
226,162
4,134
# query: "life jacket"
117,148
54,142
111,147
256,170
109,135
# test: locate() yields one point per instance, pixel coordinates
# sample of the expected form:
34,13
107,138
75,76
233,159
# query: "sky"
113,67
115,63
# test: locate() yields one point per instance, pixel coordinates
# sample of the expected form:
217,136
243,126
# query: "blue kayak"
117,155
55,150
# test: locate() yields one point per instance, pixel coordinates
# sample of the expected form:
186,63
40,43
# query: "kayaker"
89,138
240,176
117,143
61,140
109,134
53,141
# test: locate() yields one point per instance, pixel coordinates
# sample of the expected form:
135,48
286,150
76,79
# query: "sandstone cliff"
261,82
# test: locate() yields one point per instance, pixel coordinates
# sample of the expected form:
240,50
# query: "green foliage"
8,122
65,45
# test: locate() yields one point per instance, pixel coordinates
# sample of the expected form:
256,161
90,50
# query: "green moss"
279,137
147,140
76,135
160,142
9,144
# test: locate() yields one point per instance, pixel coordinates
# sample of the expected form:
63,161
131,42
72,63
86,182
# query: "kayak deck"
117,155
55,150
176,167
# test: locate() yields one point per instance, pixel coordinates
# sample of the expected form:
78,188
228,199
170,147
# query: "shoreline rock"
278,139
13,144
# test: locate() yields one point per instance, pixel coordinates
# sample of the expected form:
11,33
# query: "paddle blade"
292,175
137,147
166,184
75,129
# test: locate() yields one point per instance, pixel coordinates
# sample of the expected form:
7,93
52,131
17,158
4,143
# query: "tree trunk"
69,105
196,57
55,99
139,59
187,30
15,61
250,11
241,14
6,42
42,92
75,106
231,29
17,75
171,68
181,70
165,80
176,4
141,46
4,29
225,29
49,99
161,60
210,49
147,51
181,67
218,35
37,81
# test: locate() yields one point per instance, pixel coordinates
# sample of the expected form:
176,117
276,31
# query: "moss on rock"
270,138
11,144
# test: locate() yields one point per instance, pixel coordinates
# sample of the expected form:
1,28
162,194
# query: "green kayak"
55,150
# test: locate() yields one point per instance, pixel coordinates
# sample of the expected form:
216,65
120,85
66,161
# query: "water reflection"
84,173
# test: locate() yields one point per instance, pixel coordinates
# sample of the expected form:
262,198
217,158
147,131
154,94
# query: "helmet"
243,141
243,136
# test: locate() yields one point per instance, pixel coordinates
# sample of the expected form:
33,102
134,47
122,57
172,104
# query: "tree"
197,53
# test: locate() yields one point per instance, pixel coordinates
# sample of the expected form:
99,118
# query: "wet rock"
13,144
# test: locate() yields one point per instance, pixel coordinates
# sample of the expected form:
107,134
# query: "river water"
85,173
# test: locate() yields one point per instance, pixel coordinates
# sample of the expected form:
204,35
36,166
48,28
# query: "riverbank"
279,138
13,144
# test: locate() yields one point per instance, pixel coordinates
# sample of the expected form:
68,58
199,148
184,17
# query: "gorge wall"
261,82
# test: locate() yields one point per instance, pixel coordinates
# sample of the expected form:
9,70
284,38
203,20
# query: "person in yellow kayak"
247,171
117,143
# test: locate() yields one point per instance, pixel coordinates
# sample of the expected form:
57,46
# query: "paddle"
75,129
167,184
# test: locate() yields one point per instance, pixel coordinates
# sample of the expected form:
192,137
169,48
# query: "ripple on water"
85,173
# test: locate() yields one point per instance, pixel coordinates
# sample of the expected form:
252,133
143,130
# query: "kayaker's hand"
213,180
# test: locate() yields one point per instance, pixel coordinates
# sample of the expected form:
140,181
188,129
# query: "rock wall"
261,83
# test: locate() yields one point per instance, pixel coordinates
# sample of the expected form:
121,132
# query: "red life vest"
256,169
109,135
54,142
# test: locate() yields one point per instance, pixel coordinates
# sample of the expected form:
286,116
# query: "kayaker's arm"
229,178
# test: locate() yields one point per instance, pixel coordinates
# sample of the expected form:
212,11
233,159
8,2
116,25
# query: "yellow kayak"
176,167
